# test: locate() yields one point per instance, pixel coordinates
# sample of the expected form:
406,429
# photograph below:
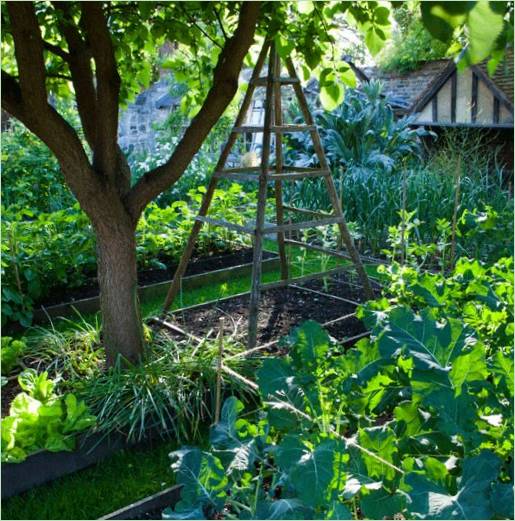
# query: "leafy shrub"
361,135
12,351
39,419
415,422
31,177
48,251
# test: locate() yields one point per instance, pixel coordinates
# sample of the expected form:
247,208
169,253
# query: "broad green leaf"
430,500
202,476
310,343
469,367
379,504
313,472
287,508
484,26
331,95
501,500
381,441
289,452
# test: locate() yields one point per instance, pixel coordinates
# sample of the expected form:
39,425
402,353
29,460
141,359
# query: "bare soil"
280,310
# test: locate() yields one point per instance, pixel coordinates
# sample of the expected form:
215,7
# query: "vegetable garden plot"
281,309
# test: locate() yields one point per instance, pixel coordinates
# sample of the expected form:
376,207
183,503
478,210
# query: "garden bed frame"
168,323
44,466
157,290
158,501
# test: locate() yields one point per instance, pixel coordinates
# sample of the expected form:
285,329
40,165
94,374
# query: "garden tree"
101,54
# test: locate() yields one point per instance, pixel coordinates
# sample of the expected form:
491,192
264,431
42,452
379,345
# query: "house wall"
463,104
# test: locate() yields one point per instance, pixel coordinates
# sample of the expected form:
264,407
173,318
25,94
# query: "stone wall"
136,130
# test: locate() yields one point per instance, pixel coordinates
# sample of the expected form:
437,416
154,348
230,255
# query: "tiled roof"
406,88
503,75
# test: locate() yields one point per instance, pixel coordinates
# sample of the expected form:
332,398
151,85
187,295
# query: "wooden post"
329,182
218,399
208,196
278,121
261,206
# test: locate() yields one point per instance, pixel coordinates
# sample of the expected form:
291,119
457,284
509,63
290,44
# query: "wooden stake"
329,183
208,196
261,206
218,401
278,121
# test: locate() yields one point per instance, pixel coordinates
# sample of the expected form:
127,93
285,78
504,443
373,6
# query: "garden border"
44,466
92,304
168,497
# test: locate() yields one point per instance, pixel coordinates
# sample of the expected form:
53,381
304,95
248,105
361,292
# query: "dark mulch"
198,264
281,309
9,391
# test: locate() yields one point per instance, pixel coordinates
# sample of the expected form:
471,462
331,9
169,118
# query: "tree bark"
118,281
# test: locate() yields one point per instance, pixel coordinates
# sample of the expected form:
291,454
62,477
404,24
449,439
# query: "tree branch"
105,149
222,91
82,75
55,49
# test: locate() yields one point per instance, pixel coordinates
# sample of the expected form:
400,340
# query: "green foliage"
411,42
56,250
31,178
171,392
373,197
412,422
361,136
445,19
12,352
39,419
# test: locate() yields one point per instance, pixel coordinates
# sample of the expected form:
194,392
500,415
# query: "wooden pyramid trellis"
264,174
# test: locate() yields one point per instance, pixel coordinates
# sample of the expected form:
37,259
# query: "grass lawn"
123,478
133,474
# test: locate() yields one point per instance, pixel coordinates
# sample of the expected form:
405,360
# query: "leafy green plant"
12,351
39,419
399,426
57,250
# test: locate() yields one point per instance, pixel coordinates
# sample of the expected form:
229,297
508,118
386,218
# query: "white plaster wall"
463,96
485,104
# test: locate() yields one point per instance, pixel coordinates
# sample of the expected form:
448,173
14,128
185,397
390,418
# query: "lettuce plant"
39,419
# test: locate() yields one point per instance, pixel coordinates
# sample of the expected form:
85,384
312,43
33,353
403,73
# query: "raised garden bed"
280,310
201,271
44,466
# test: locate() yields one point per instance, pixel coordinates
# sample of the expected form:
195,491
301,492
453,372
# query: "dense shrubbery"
46,251
379,170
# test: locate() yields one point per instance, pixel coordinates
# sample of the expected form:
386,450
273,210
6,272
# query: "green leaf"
374,39
469,367
501,500
310,345
274,375
430,500
289,452
331,95
382,442
380,504
202,476
484,26
313,472
287,508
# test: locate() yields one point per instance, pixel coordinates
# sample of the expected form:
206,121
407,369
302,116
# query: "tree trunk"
118,281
